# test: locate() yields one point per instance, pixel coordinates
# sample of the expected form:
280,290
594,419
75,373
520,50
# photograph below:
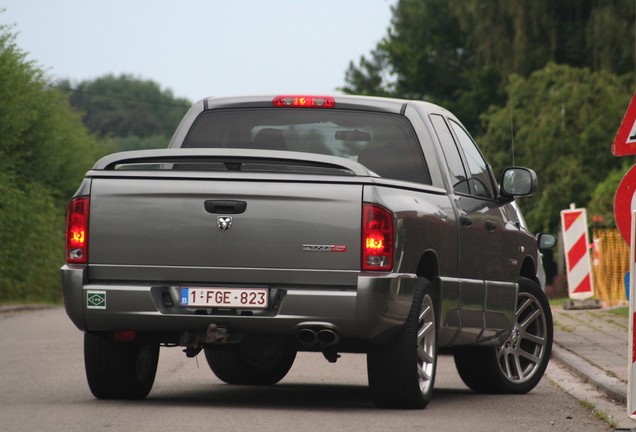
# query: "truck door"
486,296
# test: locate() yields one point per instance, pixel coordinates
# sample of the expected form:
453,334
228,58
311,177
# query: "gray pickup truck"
273,225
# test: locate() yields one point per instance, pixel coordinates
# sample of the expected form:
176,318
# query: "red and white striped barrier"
577,257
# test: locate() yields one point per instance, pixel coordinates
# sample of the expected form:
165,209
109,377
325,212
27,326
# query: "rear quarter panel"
425,222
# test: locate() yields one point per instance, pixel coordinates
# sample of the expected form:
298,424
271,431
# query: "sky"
200,48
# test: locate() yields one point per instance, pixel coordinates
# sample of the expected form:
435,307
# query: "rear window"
384,143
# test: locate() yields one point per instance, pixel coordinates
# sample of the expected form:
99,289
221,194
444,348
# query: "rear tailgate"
163,223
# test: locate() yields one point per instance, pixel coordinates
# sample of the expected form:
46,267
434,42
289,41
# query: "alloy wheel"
426,345
521,355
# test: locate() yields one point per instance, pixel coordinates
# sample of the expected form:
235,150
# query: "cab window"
480,180
459,179
384,143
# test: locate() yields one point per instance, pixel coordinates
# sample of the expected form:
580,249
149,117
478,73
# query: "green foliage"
42,138
134,142
423,56
424,49
125,106
44,152
45,149
602,201
460,53
370,77
32,240
564,120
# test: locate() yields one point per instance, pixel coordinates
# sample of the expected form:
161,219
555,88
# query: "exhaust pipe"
306,336
327,337
323,336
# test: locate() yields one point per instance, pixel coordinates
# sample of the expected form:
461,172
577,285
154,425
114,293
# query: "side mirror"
518,181
546,241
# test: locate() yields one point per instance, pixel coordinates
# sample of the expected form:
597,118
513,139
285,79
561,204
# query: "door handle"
466,221
225,206
490,225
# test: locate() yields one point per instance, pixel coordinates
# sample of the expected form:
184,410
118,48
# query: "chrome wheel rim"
426,345
521,355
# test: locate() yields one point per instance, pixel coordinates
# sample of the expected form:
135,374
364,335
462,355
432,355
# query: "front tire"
119,370
402,373
517,365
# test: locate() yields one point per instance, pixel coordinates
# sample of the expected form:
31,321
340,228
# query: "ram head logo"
224,223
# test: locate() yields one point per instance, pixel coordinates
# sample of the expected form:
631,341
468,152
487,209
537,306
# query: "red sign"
625,141
624,202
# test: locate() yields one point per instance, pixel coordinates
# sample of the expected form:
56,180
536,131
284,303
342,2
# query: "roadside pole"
624,209
631,409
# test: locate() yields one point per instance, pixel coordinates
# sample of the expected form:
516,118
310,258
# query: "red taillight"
297,101
77,231
377,238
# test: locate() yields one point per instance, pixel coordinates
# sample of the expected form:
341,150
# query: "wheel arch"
428,267
529,269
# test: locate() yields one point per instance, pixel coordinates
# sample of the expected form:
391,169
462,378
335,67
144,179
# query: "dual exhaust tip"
317,336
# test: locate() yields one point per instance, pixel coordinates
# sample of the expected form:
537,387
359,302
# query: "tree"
602,199
123,106
425,50
459,53
609,28
422,53
42,138
44,152
563,119
517,36
371,77
31,241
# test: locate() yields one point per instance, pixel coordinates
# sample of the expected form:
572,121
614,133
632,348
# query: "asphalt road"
43,388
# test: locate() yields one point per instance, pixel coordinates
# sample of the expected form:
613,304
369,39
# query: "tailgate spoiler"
232,158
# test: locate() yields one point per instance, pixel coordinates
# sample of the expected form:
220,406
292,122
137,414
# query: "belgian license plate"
250,298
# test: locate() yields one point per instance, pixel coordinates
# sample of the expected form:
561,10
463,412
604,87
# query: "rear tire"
119,370
402,373
516,366
255,361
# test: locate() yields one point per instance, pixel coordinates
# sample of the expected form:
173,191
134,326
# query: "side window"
451,154
481,183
